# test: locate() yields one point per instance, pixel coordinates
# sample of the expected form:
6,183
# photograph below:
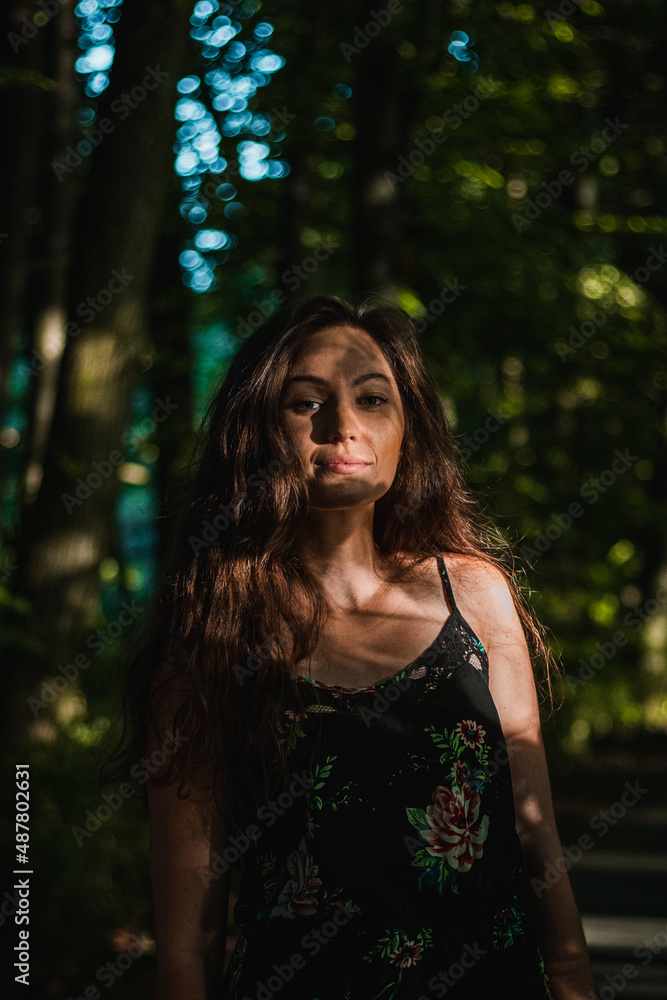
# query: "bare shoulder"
483,596
485,600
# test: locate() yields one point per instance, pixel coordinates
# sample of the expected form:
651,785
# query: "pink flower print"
471,733
295,716
456,833
459,772
405,956
298,894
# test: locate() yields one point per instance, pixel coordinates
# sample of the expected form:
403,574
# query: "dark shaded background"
496,169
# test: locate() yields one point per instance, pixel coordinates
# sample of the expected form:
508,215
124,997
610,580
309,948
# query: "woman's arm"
489,603
190,910
191,902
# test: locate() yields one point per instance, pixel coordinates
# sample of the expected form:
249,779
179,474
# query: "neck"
338,548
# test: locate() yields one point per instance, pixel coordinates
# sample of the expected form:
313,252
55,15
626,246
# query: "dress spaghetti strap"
447,587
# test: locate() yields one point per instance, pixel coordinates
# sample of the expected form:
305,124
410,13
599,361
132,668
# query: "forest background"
174,173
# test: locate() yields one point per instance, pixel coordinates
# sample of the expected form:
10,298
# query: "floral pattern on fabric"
299,894
290,730
382,766
400,949
452,827
317,802
295,888
507,926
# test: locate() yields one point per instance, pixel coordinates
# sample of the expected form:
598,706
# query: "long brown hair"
234,607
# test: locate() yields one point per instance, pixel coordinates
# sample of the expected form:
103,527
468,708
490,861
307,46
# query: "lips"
346,460
346,463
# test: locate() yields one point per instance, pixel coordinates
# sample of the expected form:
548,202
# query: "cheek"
294,429
389,440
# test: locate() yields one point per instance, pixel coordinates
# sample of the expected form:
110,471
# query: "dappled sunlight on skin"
526,755
341,419
512,686
553,912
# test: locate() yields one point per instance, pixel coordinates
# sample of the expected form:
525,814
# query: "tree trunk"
65,534
377,147
25,102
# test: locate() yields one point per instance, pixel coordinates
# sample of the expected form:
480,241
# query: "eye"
302,404
382,400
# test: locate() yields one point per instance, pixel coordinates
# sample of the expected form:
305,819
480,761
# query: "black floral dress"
389,869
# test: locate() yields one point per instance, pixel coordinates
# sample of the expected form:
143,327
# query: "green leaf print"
508,925
268,869
335,901
322,771
467,736
417,817
418,760
450,743
383,946
319,777
342,799
434,873
290,730
400,949
393,941
452,826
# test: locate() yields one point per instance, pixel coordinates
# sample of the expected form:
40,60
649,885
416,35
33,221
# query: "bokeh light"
214,108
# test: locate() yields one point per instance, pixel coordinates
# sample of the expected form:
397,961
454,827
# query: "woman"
376,775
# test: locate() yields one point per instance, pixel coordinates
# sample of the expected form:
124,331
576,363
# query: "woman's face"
340,401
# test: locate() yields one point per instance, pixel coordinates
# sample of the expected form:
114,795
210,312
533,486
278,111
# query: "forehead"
341,347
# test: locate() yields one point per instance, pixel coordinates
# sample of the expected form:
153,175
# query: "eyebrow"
322,381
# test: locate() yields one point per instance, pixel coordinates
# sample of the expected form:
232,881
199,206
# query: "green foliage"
540,207
549,357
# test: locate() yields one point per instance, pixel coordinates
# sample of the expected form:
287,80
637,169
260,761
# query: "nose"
341,422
